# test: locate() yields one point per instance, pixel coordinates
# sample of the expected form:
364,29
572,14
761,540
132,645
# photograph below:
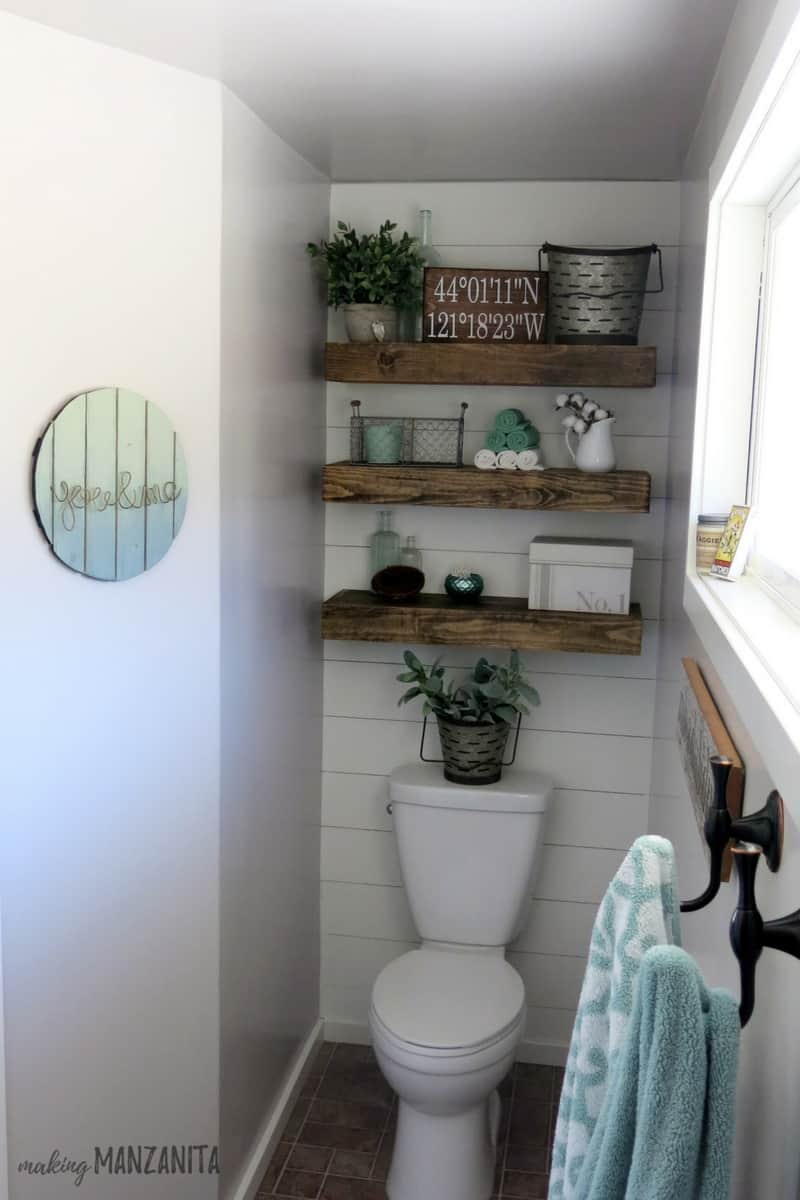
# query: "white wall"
768,1112
593,730
273,440
110,195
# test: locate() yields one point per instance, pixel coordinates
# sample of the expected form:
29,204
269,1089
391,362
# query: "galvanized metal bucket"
596,296
472,752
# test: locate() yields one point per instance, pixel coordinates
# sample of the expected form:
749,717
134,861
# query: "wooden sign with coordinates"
484,305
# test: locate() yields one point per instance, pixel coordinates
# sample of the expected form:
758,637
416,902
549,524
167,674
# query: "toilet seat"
447,1004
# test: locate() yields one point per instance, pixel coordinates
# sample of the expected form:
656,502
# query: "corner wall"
109,773
766,1162
273,434
593,730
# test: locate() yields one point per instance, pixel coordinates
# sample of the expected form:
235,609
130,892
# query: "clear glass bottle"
384,544
410,555
431,256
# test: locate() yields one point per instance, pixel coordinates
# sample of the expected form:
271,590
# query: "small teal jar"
384,442
464,587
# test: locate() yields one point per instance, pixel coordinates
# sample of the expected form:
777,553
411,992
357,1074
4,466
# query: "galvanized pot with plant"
371,277
474,716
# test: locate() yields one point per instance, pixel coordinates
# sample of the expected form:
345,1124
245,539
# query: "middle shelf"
555,489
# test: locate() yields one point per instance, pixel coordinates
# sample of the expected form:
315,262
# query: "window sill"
755,647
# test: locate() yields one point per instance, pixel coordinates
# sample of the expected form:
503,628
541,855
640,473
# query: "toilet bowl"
446,1019
445,1026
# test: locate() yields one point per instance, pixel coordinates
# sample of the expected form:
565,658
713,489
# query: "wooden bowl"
398,583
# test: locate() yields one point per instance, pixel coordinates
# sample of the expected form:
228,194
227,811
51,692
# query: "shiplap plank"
549,1026
101,521
356,962
69,471
576,818
494,529
557,927
575,873
503,574
641,667
594,705
359,856
551,981
584,761
591,213
642,411
130,463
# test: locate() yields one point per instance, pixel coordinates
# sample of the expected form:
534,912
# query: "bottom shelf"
503,621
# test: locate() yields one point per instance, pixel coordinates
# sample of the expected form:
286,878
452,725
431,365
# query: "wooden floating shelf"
469,364
467,487
502,621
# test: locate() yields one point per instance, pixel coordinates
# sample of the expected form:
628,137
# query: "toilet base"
445,1157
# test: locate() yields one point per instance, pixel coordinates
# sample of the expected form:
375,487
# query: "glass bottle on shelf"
431,256
384,544
410,555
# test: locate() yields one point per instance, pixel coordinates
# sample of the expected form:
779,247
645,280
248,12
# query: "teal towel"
524,437
666,1129
639,910
508,418
496,440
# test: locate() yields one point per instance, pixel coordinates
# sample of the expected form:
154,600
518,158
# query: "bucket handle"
654,249
510,762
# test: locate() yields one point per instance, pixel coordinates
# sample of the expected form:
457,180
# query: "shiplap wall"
593,732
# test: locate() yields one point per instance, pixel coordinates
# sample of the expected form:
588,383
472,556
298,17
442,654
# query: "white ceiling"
442,89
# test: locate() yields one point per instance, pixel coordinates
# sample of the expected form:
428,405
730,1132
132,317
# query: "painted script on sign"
484,305
109,484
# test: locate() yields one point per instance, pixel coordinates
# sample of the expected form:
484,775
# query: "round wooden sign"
109,484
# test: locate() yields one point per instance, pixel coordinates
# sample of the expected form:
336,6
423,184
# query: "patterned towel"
640,909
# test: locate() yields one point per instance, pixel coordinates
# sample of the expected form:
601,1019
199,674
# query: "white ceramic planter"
370,322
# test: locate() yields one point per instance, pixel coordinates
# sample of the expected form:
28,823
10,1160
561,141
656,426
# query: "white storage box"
580,575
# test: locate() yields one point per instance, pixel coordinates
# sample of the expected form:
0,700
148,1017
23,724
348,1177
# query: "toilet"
446,1019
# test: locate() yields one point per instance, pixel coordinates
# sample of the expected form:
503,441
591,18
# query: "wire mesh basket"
597,296
434,440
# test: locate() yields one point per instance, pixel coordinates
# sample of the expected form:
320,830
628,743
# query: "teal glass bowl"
464,588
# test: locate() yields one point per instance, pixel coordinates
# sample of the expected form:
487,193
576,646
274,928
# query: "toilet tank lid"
424,784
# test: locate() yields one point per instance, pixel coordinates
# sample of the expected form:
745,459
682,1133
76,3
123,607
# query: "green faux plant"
491,694
372,268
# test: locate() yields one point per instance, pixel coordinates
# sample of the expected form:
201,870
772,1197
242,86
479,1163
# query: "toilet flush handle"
389,808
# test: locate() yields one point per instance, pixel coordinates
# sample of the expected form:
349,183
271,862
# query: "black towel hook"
763,829
749,934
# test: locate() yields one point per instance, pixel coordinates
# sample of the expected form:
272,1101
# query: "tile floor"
338,1142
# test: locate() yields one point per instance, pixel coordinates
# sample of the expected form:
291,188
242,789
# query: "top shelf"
470,364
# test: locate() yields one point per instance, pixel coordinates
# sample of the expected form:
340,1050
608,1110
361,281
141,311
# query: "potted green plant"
474,717
371,277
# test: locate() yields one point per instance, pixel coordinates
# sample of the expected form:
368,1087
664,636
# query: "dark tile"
383,1159
274,1169
323,1056
530,1124
340,1138
352,1163
309,1158
524,1184
345,1055
299,1183
553,1120
335,1188
296,1118
507,1084
347,1112
526,1158
363,1084
534,1082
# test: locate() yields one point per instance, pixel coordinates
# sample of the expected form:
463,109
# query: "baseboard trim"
548,1054
270,1133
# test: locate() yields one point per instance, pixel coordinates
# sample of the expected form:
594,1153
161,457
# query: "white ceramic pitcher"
595,450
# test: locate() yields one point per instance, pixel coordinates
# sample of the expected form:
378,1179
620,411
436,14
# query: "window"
775,467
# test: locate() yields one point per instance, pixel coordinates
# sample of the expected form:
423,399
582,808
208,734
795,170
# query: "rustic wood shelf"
502,621
566,490
470,364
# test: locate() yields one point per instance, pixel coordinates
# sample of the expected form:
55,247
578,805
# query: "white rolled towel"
486,460
528,460
508,460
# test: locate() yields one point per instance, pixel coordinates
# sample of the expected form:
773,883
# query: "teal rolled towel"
525,437
509,418
496,440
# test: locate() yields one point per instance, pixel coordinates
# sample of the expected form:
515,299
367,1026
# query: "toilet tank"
468,855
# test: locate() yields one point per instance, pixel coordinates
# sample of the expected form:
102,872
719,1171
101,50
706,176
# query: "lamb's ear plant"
370,268
490,694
